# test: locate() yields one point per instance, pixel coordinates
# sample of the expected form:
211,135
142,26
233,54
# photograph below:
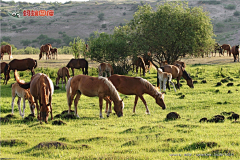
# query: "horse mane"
43,89
35,63
112,89
149,86
186,75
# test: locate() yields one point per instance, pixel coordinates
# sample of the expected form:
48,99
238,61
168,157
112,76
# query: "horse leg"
33,72
62,81
73,71
164,84
38,110
108,110
13,97
83,71
76,103
173,85
168,87
100,106
145,103
19,105
135,103
23,107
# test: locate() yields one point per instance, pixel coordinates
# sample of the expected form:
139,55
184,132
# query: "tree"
6,38
25,42
172,31
78,46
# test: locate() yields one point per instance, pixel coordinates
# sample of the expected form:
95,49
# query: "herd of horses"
234,50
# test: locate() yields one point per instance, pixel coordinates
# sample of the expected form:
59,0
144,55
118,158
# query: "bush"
14,27
4,24
236,13
124,13
104,25
101,16
230,7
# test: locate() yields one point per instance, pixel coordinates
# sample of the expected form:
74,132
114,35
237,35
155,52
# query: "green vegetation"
133,136
230,7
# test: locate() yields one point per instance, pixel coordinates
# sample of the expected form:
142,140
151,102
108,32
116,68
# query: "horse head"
45,109
118,108
160,100
189,80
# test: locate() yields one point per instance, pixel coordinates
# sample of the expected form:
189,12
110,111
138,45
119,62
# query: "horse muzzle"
120,114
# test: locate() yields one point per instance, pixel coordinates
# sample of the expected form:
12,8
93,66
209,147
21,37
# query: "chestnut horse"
78,63
54,52
139,62
20,65
177,72
41,88
45,48
137,86
105,67
62,73
3,66
6,49
235,52
183,64
91,87
226,47
22,93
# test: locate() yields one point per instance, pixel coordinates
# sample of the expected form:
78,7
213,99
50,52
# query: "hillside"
74,19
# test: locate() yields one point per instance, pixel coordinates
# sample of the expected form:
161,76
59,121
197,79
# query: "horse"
78,63
218,47
226,47
137,86
183,64
163,77
45,48
91,87
3,66
147,60
54,52
6,49
105,67
177,72
22,93
163,63
41,88
62,73
20,65
139,62
235,52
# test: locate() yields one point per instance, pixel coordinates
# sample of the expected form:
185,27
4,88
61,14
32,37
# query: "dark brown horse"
235,52
137,86
20,65
148,61
78,63
54,52
3,66
45,48
6,49
41,88
226,47
62,73
177,72
139,62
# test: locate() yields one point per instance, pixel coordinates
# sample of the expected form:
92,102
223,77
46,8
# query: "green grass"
133,136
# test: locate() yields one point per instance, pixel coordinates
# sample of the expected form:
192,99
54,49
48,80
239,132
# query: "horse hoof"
107,116
148,113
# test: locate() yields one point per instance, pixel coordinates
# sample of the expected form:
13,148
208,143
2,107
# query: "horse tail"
11,52
5,69
69,90
35,63
112,72
99,70
21,83
86,68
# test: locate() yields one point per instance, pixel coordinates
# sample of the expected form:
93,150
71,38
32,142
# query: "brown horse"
183,64
105,67
6,49
218,47
3,66
235,52
139,62
177,72
62,73
137,86
45,48
226,47
148,61
20,65
163,63
78,63
91,87
41,88
54,52
22,93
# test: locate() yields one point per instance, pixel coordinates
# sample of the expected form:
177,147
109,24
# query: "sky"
48,1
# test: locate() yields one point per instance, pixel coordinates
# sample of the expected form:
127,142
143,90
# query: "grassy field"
133,136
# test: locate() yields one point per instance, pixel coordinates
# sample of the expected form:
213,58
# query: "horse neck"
149,89
185,75
113,92
43,90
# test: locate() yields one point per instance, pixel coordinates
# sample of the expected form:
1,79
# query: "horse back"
235,50
22,64
174,70
3,65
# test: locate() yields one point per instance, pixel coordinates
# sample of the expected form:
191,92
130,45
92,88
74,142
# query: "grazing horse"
105,67
6,49
91,87
218,47
41,88
226,47
78,63
177,72
235,52
137,86
45,48
139,62
54,52
22,93
3,66
62,73
183,64
20,65
163,77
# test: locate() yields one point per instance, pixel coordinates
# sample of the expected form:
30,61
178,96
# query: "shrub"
104,25
124,13
101,16
236,13
230,7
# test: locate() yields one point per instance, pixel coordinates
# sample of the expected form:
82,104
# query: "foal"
22,93
163,78
105,67
62,73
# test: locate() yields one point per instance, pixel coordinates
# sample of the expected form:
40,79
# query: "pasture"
133,136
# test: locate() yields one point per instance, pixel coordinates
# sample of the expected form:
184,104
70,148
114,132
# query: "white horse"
163,78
